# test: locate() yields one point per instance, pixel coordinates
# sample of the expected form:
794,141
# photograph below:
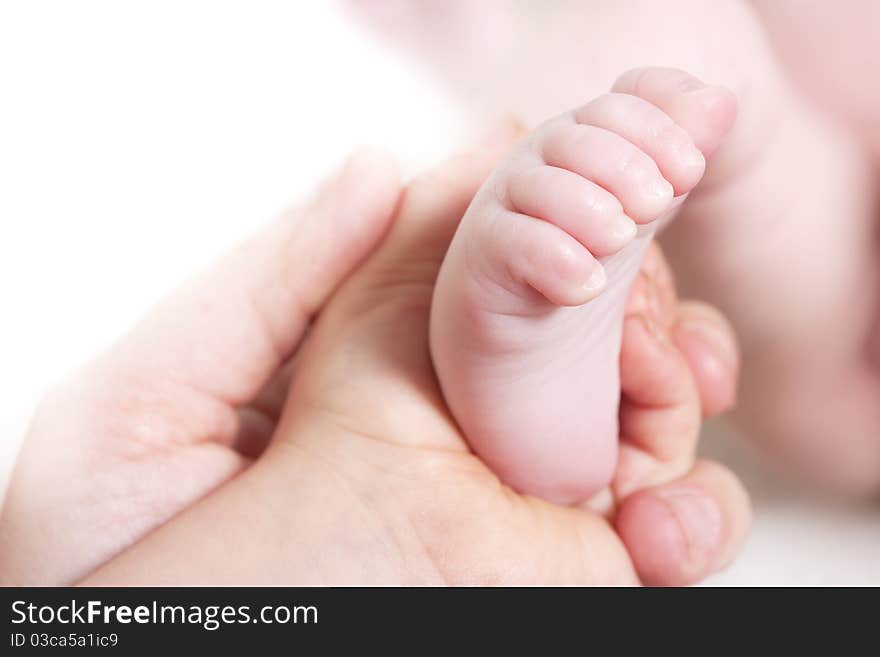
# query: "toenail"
596,280
659,188
693,158
622,231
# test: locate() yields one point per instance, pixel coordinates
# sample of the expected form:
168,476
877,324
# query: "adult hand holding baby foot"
367,479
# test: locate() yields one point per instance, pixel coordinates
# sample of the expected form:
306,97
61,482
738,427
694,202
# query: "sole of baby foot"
528,309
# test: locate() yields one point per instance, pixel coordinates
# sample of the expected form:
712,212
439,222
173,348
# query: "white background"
140,139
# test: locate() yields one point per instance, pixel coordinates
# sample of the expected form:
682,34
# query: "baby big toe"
705,112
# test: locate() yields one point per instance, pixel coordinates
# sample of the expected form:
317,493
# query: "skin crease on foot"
366,478
781,234
528,312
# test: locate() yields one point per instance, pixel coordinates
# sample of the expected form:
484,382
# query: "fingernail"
698,517
642,303
720,343
652,327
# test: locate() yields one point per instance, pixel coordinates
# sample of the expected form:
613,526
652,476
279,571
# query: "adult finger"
680,532
707,342
660,406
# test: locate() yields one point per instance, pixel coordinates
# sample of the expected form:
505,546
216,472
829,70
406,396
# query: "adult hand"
368,480
175,408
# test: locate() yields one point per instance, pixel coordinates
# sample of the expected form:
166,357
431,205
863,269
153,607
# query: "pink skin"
781,234
176,407
366,479
528,311
834,74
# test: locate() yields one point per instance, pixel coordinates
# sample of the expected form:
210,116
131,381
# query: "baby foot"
527,315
